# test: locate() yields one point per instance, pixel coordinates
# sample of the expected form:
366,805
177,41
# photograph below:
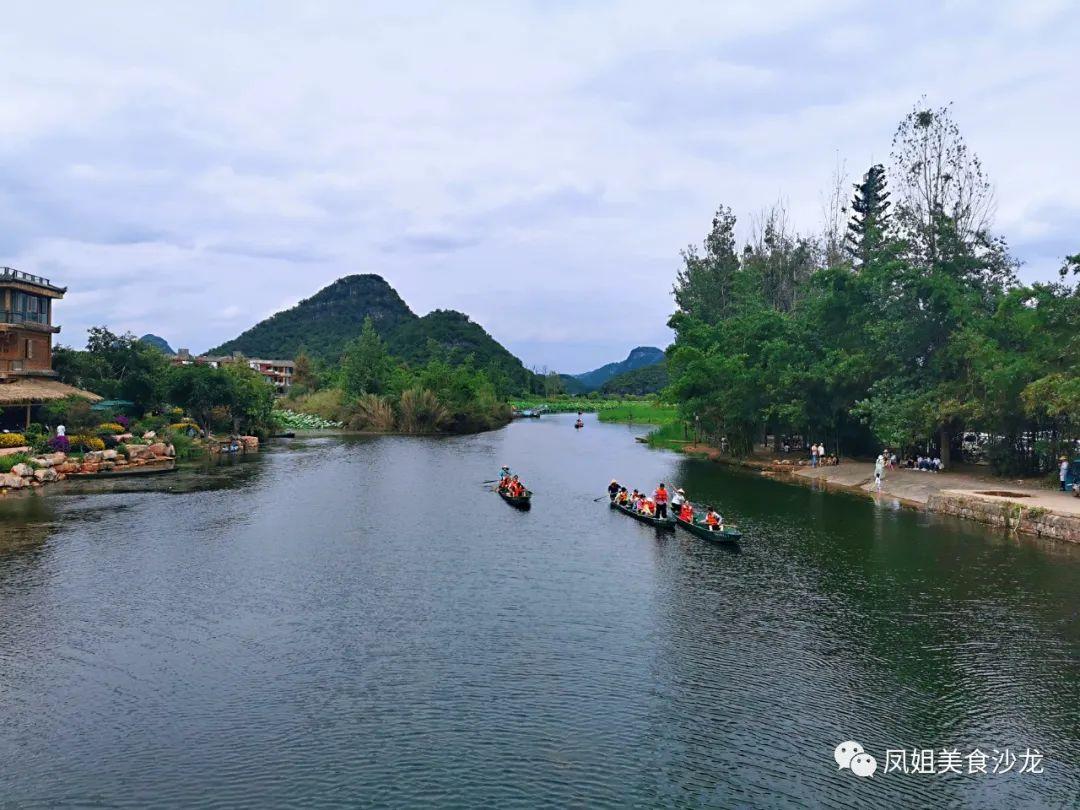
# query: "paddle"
492,481
594,500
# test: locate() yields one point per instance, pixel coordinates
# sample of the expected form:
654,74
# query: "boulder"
170,451
22,470
250,442
67,467
43,461
150,434
94,455
109,455
157,449
9,481
89,467
45,474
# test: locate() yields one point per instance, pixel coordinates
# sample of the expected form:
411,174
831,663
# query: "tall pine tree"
870,219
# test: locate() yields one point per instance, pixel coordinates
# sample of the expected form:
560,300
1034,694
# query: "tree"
199,389
704,285
304,376
115,366
939,178
870,217
251,399
366,366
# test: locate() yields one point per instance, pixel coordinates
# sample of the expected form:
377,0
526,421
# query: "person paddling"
661,499
677,500
613,489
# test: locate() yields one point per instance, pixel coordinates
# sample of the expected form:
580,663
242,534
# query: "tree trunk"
946,446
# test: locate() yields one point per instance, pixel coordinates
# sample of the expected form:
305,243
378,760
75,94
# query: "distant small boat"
528,413
579,424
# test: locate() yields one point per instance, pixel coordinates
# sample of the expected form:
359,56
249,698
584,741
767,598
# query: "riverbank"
1013,505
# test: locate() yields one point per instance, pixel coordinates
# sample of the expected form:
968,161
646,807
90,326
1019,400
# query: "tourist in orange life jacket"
687,512
714,520
649,507
661,498
622,497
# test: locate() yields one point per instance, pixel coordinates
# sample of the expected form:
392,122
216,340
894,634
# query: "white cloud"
187,170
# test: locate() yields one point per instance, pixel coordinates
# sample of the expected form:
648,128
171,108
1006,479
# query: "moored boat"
659,523
705,533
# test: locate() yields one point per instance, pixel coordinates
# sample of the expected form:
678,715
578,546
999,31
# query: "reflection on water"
360,621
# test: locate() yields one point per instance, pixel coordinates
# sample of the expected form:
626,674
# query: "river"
357,621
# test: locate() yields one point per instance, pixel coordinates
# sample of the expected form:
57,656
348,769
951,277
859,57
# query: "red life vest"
660,496
687,513
712,519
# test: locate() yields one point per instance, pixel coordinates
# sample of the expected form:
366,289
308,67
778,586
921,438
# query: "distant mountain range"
158,343
641,357
322,325
640,381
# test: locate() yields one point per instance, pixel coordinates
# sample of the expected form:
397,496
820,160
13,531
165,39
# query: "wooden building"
27,378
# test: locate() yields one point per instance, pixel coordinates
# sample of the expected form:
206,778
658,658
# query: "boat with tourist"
656,522
727,534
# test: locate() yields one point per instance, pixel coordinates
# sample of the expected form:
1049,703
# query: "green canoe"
705,533
520,501
659,523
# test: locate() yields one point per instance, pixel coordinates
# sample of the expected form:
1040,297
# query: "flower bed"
12,440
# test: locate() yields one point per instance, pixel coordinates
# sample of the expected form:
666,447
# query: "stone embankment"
50,467
1020,506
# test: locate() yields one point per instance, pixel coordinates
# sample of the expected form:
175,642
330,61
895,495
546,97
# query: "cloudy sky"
536,165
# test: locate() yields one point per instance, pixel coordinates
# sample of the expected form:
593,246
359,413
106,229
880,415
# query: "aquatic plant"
419,411
372,412
293,420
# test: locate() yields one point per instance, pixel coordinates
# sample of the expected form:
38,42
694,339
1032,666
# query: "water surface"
358,621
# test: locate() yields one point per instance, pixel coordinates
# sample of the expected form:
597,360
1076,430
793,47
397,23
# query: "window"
29,349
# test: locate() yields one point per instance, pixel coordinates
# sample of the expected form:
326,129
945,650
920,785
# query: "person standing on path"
813,455
1063,473
879,471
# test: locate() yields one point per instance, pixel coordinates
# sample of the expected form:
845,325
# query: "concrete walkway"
917,486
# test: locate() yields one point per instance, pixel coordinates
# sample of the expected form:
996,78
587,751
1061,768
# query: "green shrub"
7,462
12,440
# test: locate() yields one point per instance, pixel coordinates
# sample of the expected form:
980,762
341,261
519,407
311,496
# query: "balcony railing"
11,274
8,316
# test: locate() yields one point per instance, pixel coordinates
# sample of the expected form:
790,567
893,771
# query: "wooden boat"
520,501
579,424
659,523
699,530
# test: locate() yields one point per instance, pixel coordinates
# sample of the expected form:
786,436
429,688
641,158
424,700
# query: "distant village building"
278,373
27,379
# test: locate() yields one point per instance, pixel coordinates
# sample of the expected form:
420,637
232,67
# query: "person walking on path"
879,471
813,455
1063,473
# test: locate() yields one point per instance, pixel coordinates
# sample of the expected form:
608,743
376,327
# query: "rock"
109,455
22,470
250,442
94,455
170,451
134,451
150,434
9,481
67,467
43,461
107,465
45,474
157,449
89,467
